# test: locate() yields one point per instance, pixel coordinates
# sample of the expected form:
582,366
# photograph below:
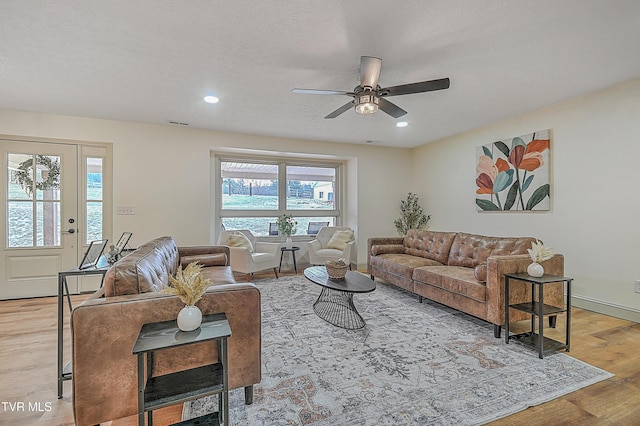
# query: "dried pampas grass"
189,284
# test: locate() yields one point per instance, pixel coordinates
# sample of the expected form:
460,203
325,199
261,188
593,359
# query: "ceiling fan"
368,96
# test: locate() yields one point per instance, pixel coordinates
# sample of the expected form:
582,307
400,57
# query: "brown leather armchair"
104,330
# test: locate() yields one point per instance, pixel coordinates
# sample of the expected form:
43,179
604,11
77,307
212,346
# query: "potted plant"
189,285
412,215
287,226
538,253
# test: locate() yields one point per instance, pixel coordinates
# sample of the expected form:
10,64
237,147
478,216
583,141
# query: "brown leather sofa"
463,271
106,325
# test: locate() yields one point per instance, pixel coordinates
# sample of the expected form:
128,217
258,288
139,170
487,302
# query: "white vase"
189,318
288,242
535,270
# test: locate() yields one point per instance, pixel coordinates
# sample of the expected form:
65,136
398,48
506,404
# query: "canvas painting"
513,174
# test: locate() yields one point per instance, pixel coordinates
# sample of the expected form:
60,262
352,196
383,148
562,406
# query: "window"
33,200
255,193
94,198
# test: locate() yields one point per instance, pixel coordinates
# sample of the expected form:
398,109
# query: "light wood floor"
28,371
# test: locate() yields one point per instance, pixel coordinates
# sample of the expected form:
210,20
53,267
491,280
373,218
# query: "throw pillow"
339,239
387,249
217,259
238,239
480,272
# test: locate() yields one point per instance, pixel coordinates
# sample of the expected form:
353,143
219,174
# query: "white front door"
40,215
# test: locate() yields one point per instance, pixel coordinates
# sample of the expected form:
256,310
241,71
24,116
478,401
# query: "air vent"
178,123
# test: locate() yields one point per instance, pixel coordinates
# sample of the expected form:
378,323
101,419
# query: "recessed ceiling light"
210,99
402,124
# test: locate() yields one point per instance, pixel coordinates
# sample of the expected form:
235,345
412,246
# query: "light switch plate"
125,210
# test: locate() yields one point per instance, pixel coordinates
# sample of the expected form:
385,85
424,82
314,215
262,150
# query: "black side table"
161,391
293,251
538,310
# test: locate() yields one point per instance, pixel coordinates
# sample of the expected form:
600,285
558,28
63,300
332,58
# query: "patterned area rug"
412,364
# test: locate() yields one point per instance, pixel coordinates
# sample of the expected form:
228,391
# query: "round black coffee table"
335,302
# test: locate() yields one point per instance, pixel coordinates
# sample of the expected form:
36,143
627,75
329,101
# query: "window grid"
306,190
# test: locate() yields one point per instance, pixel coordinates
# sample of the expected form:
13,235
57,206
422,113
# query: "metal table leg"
60,329
337,308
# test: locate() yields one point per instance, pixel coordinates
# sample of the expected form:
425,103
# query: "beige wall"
164,172
595,185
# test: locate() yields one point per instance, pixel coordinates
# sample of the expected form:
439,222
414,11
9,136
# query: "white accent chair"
319,253
264,255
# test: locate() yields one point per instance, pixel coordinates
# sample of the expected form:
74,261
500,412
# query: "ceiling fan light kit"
367,103
368,97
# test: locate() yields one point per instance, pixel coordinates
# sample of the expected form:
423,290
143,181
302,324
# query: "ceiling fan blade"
369,71
340,110
320,92
390,108
420,87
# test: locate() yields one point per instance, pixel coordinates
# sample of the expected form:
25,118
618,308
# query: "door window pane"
47,177
17,180
34,186
94,221
20,224
94,202
48,224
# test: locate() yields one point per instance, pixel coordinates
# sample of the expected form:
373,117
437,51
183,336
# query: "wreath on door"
25,171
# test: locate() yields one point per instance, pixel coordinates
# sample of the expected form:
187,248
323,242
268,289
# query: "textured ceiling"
153,61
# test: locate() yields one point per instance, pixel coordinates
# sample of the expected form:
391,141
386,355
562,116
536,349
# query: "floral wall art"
513,174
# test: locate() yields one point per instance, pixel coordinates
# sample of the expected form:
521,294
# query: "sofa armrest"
350,253
240,258
104,331
380,241
313,246
519,292
265,247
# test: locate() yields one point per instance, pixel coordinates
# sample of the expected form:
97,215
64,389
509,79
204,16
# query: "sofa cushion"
400,264
470,250
340,239
238,239
429,244
219,275
329,253
147,269
456,279
212,259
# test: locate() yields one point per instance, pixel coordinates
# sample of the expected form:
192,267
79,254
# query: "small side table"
538,310
161,391
293,251
65,372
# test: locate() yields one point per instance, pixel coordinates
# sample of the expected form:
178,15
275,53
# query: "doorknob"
71,231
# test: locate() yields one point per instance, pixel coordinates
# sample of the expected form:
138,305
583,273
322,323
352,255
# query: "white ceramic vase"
535,270
189,318
288,242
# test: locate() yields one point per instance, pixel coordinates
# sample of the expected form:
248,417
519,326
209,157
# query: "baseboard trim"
606,308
